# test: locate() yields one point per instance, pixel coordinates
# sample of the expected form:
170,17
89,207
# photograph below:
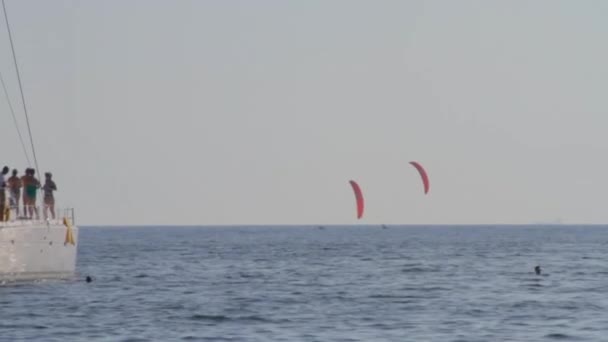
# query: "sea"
322,283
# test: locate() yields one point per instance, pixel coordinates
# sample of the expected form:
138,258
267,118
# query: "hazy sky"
254,112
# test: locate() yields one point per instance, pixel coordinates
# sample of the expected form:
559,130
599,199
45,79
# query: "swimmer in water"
537,270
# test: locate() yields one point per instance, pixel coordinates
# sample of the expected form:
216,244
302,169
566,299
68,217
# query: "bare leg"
33,209
14,207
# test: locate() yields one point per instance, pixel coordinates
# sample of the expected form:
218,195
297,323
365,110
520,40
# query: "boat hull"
37,251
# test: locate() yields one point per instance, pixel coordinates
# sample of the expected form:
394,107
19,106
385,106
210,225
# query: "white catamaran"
34,247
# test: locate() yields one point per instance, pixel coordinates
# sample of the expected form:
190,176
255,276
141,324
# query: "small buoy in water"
89,279
537,270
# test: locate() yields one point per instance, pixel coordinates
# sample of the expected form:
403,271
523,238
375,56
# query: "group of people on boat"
30,186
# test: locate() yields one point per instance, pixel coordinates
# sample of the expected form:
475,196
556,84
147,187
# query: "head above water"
537,269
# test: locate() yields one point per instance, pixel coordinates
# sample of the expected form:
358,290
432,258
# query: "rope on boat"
10,106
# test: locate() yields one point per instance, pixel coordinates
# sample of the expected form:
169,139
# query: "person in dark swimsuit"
49,200
3,184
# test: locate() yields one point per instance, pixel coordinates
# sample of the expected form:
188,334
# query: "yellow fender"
69,235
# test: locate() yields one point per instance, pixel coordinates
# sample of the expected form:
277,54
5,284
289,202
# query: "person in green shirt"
30,187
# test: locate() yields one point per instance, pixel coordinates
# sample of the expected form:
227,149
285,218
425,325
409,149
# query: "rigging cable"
10,106
27,119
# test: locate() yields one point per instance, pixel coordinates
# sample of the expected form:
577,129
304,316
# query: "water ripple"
308,284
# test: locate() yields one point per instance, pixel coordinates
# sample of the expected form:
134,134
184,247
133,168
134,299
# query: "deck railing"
39,215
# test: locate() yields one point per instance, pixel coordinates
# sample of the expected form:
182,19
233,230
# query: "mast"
27,119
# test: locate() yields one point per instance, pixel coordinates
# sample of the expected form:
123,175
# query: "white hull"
36,250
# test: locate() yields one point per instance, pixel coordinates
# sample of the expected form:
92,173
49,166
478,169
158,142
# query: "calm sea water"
332,284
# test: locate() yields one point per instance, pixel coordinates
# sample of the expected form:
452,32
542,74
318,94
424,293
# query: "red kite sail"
423,175
358,197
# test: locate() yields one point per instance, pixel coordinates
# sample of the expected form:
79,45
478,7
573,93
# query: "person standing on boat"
24,180
30,187
14,188
3,214
49,200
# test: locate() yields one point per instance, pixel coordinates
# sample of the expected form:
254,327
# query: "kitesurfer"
537,270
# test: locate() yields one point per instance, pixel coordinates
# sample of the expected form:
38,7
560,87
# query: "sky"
161,112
